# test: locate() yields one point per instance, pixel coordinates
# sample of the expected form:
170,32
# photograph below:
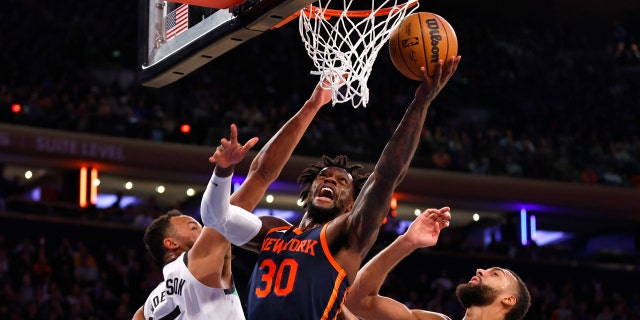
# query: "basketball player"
492,294
304,271
202,254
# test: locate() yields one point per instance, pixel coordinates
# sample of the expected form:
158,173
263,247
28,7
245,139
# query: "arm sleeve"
236,224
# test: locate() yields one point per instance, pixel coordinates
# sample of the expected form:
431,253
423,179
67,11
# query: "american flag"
177,21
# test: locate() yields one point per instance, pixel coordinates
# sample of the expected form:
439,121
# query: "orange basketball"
420,40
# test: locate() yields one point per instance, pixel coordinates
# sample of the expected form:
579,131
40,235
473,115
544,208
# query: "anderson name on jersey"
182,296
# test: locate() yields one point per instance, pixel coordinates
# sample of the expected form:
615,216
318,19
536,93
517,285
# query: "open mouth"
326,193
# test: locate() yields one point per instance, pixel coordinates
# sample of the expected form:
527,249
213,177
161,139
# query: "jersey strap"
171,316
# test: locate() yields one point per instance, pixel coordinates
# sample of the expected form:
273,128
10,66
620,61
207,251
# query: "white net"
345,44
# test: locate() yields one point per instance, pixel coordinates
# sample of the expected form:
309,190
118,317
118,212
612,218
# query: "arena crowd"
532,99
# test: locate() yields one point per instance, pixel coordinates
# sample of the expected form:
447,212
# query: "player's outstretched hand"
431,87
230,151
425,230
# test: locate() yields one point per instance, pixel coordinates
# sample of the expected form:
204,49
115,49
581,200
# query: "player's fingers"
443,214
423,70
450,67
252,142
439,67
233,136
431,212
454,65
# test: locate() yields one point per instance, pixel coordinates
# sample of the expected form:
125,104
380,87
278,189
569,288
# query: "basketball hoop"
344,43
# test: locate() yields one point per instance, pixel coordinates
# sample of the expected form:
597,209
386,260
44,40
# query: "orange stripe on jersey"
275,229
325,248
334,296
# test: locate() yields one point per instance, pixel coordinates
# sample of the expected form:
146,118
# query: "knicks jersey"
181,296
296,277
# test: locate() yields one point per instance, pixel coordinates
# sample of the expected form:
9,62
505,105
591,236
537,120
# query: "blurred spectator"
85,265
8,188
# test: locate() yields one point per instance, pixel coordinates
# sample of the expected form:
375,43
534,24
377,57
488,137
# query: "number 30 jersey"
296,277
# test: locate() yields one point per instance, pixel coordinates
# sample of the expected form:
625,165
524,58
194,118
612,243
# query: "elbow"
357,306
266,175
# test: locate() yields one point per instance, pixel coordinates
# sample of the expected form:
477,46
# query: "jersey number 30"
270,271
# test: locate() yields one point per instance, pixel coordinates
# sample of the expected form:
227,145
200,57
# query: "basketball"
420,40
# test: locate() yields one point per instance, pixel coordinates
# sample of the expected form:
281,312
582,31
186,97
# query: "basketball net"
344,44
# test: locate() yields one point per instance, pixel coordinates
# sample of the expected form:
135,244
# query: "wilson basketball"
420,40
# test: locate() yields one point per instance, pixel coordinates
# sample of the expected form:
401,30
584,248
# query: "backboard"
177,38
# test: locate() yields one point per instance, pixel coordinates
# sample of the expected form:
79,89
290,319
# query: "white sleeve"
241,226
214,208
236,224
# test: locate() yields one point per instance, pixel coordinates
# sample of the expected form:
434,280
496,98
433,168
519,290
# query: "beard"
322,215
475,295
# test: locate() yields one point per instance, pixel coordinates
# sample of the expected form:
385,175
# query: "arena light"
393,206
533,228
523,227
185,128
16,108
83,187
394,203
95,182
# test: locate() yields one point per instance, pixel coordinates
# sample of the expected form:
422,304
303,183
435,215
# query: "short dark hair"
523,301
310,173
156,233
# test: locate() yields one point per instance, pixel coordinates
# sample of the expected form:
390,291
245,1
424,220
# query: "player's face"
331,194
485,287
187,230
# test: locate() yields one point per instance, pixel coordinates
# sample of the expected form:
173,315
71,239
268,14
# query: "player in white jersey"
179,233
197,261
182,296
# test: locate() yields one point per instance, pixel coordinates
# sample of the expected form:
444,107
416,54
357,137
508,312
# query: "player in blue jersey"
304,271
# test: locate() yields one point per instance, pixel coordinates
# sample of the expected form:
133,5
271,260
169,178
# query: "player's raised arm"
364,300
372,204
269,162
211,249
236,224
271,159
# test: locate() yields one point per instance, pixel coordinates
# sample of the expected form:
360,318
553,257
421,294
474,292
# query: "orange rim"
314,12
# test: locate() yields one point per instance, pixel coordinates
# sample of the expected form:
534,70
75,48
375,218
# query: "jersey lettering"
293,245
279,287
174,286
156,300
